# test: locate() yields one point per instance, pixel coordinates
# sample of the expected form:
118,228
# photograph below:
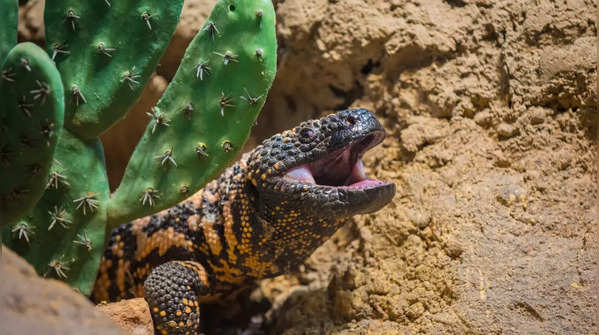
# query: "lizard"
261,218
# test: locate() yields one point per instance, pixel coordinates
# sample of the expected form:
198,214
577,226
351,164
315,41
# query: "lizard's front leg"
172,291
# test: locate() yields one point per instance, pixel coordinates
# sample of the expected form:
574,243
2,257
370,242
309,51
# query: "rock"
537,115
415,310
133,315
343,304
32,305
454,249
506,130
31,21
483,118
422,131
511,193
420,219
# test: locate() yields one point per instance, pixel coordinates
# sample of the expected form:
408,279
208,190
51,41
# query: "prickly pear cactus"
105,51
207,111
8,29
31,115
63,237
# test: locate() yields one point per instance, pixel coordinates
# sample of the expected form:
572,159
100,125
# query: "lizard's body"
263,217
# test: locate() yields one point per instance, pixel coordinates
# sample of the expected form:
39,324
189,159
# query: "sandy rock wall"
490,110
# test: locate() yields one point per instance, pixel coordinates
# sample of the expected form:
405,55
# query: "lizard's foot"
172,291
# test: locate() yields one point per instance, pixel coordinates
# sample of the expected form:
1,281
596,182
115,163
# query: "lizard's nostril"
351,120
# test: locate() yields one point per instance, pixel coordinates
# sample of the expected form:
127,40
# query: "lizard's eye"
306,133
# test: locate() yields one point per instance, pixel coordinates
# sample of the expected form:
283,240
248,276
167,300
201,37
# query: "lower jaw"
366,183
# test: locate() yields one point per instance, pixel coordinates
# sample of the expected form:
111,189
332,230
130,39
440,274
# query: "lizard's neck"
251,235
262,236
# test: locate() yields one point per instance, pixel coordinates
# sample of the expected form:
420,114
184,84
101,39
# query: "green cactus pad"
31,116
105,51
63,237
8,28
206,113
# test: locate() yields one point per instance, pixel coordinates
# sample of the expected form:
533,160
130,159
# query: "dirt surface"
492,141
32,305
132,315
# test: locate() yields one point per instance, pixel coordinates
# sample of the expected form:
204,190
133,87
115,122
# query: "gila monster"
261,218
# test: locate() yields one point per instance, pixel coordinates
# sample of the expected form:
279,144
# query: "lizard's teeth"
302,174
358,170
357,173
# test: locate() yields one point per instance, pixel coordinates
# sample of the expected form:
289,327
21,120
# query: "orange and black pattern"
246,225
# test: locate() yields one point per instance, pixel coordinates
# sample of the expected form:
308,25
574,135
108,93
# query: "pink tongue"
301,173
357,178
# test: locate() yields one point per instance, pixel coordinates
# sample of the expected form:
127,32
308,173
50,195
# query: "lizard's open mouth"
341,168
318,166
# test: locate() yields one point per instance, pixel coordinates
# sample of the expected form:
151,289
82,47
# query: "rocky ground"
31,305
490,108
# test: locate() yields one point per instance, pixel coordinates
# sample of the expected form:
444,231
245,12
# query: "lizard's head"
316,167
